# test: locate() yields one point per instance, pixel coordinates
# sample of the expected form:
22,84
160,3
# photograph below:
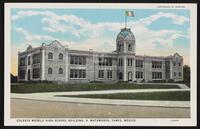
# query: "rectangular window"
130,61
174,74
139,63
105,61
120,62
157,64
139,74
109,74
36,73
77,73
22,61
22,74
179,74
36,58
80,62
84,60
101,73
71,59
156,75
76,59
100,61
84,73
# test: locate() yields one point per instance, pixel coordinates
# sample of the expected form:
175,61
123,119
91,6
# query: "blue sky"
158,31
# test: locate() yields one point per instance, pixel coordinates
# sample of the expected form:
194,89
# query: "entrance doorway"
130,76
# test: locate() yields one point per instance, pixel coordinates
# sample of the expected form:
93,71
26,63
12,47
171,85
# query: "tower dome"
125,34
125,41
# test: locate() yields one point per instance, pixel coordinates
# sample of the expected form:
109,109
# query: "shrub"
143,81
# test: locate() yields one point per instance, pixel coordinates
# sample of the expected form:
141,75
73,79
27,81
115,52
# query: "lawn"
171,96
53,87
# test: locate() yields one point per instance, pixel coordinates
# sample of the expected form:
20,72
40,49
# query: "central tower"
125,48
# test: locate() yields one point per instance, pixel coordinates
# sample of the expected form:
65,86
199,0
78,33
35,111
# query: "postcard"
100,64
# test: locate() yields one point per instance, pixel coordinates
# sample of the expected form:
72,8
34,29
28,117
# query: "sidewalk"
51,96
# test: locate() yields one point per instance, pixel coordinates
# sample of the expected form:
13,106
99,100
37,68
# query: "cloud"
34,38
94,33
179,20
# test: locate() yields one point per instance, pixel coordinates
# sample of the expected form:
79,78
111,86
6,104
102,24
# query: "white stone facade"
54,62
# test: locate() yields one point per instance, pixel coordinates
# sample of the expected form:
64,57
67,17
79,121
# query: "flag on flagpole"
129,13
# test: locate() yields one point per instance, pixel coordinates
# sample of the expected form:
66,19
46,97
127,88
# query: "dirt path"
21,108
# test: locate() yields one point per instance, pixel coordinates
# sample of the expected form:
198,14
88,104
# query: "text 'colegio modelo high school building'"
54,62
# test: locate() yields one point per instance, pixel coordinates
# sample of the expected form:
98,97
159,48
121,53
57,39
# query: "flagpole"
125,20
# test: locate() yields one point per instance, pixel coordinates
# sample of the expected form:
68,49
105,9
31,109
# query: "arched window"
50,71
120,47
60,56
129,47
60,71
50,55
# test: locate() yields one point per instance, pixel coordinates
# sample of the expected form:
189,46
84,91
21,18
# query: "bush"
159,81
143,81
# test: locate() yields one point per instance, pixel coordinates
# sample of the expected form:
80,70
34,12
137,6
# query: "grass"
170,96
53,87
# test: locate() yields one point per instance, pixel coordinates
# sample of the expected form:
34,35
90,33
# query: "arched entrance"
130,76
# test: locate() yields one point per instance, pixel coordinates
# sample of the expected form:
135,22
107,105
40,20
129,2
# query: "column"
66,65
43,65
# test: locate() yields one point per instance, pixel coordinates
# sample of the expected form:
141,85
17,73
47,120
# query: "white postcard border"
136,121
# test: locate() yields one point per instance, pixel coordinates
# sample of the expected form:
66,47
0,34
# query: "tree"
13,78
186,74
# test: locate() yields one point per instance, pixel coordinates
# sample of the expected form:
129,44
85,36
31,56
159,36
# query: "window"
139,63
156,75
130,62
60,71
129,47
175,74
84,60
120,62
174,63
50,71
36,73
71,59
105,61
101,74
36,58
60,56
179,63
50,55
22,61
29,60
157,64
109,74
139,74
22,74
78,60
77,73
179,74
120,47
